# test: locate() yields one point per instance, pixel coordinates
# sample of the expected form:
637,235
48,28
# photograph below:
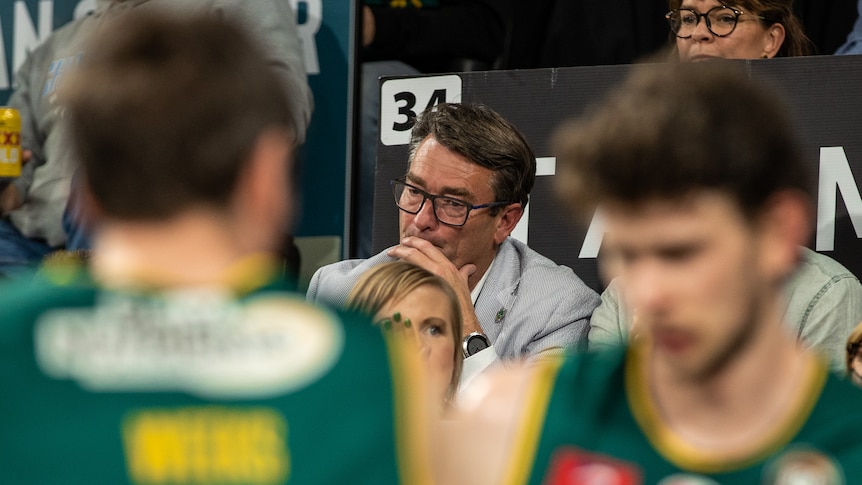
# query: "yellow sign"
10,142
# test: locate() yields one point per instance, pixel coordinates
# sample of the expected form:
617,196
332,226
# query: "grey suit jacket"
528,303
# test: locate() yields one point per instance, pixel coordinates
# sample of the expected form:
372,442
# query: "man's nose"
646,290
425,218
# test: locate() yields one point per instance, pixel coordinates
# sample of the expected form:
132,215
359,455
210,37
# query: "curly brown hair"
672,130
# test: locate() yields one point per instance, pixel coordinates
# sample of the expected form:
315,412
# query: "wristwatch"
475,343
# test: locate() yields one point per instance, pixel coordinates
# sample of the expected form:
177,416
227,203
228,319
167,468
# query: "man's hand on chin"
422,253
425,255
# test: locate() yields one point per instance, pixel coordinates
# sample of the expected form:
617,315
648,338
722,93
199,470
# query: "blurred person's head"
408,299
743,29
172,114
696,170
474,157
854,355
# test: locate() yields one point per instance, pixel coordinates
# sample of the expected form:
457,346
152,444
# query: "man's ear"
785,225
509,218
263,198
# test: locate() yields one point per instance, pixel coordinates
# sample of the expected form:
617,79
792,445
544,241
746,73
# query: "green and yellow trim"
535,408
413,412
682,454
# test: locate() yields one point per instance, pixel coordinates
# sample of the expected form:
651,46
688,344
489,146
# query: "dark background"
823,94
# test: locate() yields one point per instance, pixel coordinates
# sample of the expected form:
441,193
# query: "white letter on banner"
544,166
595,233
835,175
25,32
593,239
307,30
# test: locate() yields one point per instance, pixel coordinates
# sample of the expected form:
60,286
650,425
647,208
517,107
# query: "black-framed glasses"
721,20
448,210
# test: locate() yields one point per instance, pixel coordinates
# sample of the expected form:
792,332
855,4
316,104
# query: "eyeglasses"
721,20
448,210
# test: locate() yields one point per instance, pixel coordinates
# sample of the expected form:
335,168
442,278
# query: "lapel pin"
500,315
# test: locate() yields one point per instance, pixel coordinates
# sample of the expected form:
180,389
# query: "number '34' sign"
402,100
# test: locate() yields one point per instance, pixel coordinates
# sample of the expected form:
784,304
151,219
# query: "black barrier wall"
824,95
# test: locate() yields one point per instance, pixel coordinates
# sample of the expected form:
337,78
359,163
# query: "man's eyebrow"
451,191
457,191
682,250
414,179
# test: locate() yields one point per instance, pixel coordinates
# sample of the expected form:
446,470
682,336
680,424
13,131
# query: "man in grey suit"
468,181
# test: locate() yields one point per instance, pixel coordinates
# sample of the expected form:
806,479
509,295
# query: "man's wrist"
474,343
470,327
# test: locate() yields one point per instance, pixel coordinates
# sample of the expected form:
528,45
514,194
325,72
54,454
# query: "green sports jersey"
194,387
590,421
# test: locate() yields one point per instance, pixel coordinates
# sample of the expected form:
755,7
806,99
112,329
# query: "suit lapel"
500,291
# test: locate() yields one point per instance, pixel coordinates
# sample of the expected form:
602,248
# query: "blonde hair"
853,342
393,281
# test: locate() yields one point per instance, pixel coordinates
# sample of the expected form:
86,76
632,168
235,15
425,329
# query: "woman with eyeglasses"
743,29
854,355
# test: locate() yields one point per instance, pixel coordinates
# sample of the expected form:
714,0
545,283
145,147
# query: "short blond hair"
853,343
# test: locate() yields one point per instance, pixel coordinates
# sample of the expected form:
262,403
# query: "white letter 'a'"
593,239
835,176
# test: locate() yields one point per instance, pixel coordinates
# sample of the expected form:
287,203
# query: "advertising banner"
822,93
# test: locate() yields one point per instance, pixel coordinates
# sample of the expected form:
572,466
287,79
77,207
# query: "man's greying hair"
479,134
674,129
165,111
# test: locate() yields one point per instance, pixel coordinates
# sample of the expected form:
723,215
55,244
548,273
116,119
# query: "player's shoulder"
40,288
348,268
839,392
508,387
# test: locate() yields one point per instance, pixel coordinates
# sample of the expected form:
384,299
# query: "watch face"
476,343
